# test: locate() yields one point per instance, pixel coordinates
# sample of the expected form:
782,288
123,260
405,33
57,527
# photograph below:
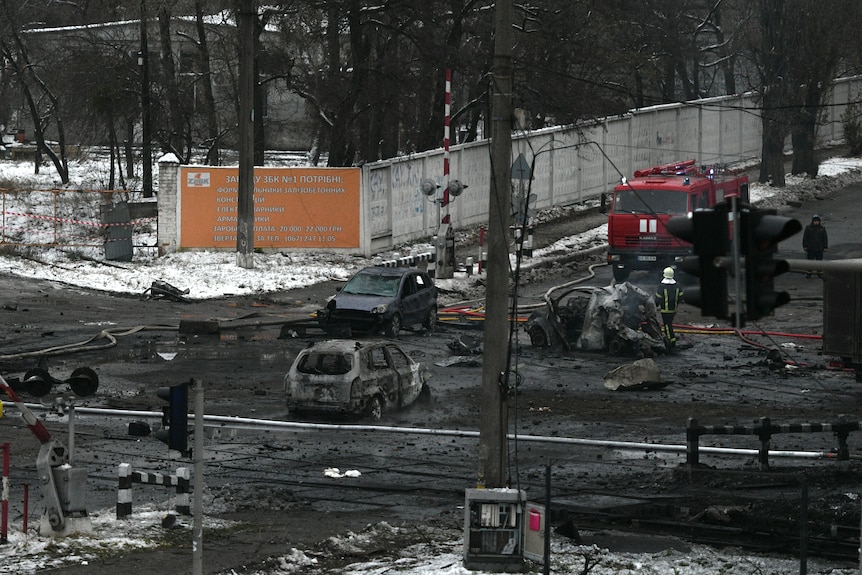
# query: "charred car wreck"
620,319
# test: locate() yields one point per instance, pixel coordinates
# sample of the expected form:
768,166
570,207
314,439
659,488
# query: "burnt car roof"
343,345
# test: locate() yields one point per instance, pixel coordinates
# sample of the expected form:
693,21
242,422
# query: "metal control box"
842,317
494,529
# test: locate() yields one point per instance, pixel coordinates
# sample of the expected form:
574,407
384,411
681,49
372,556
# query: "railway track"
410,476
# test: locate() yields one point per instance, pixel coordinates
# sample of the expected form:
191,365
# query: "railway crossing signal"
175,425
707,231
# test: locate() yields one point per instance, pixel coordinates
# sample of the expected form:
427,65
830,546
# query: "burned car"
619,319
354,378
381,299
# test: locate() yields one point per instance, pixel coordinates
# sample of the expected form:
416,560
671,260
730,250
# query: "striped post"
127,477
446,119
124,491
182,477
764,433
692,443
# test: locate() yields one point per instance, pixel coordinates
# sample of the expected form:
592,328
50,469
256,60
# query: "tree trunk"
804,136
206,83
172,139
772,162
259,103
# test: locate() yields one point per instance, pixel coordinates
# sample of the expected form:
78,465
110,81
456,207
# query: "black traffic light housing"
38,381
175,425
760,233
708,232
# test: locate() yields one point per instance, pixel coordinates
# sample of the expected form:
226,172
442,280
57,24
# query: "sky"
214,274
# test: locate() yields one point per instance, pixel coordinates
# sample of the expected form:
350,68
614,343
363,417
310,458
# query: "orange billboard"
293,207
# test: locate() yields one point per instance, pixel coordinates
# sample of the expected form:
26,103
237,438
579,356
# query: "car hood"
359,302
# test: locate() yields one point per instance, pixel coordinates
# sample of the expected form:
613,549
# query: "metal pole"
245,191
803,528
71,433
737,270
493,449
546,551
197,543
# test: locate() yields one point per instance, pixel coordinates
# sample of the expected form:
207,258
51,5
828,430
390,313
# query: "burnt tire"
621,274
374,410
539,337
618,346
430,322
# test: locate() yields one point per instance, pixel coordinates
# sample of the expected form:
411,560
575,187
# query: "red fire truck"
640,208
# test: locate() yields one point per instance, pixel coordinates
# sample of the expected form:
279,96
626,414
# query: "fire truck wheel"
621,274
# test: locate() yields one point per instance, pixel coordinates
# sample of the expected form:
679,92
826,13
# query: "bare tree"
819,52
42,102
213,138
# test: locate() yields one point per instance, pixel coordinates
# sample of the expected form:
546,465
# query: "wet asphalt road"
720,379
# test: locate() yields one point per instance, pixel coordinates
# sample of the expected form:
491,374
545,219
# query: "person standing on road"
815,241
667,299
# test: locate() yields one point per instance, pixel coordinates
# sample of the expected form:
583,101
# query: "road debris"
643,374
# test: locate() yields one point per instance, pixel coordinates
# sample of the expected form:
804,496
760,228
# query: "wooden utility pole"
494,417
246,14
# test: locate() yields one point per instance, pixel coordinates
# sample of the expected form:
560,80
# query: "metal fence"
79,219
573,164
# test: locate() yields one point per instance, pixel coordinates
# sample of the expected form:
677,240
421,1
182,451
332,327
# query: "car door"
406,370
382,375
411,305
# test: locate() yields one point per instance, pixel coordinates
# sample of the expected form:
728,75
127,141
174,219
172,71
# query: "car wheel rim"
376,411
395,325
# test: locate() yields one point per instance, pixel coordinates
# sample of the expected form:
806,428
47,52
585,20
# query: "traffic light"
174,430
760,233
38,381
707,231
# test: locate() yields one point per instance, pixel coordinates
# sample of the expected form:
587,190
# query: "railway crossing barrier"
410,261
764,429
127,477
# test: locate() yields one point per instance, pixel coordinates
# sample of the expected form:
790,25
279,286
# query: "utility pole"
146,145
494,420
246,14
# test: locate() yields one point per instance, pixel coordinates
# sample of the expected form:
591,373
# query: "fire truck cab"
641,207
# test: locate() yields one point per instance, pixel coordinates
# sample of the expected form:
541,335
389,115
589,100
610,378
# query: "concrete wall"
571,164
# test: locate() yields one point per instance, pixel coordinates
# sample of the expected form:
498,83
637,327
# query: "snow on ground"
439,553
215,274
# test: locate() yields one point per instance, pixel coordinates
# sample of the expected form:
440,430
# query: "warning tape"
14,236
75,221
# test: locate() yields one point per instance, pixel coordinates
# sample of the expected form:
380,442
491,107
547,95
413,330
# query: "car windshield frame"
654,201
373,284
325,363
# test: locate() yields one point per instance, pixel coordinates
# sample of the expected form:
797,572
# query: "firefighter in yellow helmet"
667,298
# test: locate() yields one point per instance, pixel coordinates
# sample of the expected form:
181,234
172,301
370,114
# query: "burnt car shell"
619,319
354,378
381,299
